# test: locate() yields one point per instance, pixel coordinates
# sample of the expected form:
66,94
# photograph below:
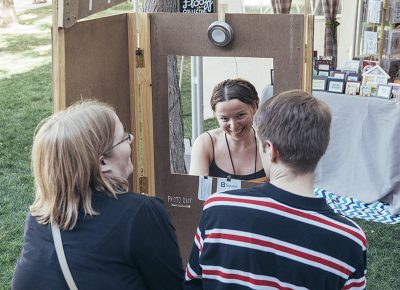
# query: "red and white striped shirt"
268,238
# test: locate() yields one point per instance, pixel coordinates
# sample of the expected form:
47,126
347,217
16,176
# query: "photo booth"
98,58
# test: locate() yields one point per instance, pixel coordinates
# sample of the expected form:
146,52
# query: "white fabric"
363,156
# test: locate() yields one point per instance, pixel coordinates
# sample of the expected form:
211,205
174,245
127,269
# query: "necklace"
230,155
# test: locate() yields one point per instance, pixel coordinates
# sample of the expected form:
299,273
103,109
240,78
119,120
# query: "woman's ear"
103,164
254,108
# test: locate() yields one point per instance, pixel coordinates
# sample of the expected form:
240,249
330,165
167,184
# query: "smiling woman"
230,150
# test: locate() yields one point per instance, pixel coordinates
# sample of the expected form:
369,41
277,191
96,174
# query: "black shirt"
131,244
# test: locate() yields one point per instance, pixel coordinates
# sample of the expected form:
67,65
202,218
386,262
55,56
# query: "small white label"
224,184
205,187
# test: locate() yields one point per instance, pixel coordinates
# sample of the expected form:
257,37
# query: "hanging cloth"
281,6
330,8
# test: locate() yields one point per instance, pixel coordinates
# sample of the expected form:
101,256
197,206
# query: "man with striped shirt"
278,235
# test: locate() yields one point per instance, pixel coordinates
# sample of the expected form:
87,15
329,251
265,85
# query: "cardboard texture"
270,36
73,10
97,63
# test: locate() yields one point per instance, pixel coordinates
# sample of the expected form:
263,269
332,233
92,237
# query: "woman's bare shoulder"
215,133
204,138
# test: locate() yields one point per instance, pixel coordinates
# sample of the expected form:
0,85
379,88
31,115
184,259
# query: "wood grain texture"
134,101
146,101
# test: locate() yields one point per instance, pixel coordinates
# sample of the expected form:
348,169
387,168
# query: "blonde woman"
112,238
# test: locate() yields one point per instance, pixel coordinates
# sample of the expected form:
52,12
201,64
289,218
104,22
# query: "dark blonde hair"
66,165
234,89
298,124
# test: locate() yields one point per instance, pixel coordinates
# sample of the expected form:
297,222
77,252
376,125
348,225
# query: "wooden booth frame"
96,58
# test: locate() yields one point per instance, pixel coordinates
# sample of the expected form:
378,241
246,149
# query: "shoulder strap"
55,231
212,142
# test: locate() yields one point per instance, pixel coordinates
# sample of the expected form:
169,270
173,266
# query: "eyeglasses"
129,138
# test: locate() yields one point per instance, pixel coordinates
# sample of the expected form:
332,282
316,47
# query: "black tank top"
215,171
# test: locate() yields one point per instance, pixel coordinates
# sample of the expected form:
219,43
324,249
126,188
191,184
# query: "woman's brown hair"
234,89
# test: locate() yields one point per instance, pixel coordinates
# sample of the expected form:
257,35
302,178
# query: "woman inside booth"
111,238
230,151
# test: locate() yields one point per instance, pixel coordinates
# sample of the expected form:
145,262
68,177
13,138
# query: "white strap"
55,231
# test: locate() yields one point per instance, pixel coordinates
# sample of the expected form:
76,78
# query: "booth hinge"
139,57
144,184
305,54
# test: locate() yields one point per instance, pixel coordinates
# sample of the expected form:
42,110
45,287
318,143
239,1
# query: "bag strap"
55,231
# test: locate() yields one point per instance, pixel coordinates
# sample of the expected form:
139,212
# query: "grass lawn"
25,99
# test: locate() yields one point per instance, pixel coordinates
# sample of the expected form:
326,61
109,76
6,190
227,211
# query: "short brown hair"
298,124
65,161
234,89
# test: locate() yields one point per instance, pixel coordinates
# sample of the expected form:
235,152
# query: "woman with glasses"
230,151
112,238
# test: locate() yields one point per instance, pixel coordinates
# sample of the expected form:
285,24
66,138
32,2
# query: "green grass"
24,43
25,98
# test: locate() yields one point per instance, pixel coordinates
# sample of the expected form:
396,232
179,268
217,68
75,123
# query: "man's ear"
264,145
274,152
271,150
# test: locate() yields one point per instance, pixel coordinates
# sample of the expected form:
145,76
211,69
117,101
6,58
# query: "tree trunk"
7,13
176,143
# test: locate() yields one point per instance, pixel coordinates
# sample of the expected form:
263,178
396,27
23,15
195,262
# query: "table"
363,157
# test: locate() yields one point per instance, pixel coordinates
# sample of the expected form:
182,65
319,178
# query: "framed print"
394,43
339,75
353,65
319,83
352,88
370,42
374,11
324,73
335,86
365,91
384,91
395,9
323,66
332,72
395,90
353,77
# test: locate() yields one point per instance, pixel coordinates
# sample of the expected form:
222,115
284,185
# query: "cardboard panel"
97,63
270,36
73,10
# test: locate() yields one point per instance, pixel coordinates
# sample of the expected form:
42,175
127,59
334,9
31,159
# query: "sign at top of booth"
197,6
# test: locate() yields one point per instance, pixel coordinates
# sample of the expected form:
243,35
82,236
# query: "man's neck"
300,184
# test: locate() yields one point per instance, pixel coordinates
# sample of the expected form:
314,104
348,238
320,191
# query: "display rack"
381,34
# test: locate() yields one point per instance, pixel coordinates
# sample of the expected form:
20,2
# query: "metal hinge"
139,57
305,53
143,184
